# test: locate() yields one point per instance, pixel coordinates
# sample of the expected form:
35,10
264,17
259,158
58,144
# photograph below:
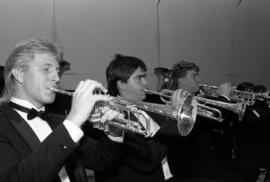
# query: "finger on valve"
84,100
109,114
107,117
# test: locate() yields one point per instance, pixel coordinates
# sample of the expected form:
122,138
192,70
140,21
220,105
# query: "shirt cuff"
74,131
119,139
226,97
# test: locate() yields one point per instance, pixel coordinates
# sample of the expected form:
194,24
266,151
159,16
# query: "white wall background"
229,43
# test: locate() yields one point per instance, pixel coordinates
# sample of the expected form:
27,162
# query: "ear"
121,86
17,74
180,80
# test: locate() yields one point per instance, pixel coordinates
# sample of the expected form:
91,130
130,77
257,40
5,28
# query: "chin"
143,96
49,100
197,89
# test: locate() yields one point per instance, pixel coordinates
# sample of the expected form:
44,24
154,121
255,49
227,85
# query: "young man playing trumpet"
40,147
200,155
145,159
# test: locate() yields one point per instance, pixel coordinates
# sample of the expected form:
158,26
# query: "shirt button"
62,147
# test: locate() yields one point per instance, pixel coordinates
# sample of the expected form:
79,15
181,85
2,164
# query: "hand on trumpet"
149,123
224,90
105,115
83,102
178,97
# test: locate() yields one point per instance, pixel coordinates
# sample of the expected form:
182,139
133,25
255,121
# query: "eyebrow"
50,64
141,75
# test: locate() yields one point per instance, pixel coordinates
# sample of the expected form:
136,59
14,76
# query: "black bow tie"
31,113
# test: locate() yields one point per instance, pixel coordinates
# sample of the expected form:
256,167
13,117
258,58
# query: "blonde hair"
20,57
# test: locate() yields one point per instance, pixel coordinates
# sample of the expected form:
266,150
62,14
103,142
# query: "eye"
141,77
195,76
46,69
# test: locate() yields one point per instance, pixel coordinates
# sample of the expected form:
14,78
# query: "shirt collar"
26,103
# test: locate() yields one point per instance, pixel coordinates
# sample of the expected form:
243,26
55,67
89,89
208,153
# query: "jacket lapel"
54,120
23,128
74,168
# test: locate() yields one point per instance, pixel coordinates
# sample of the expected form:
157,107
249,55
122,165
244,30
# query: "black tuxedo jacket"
141,161
142,156
23,158
253,135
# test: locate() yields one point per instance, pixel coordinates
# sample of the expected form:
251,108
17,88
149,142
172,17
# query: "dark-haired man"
145,159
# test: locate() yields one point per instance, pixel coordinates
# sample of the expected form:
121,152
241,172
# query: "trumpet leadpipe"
54,90
97,91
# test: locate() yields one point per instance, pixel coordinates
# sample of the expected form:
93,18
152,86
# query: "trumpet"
122,106
202,110
238,95
209,112
238,108
185,122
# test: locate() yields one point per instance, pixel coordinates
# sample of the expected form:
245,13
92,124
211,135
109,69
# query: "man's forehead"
139,71
193,72
46,59
45,63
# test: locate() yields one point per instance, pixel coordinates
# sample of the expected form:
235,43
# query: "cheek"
129,90
134,86
194,81
35,83
30,82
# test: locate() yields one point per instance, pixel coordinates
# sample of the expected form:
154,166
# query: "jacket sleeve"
143,154
100,154
168,125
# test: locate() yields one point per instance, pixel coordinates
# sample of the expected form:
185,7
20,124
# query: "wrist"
76,121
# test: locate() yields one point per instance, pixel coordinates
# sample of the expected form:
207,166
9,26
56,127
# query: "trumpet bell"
181,113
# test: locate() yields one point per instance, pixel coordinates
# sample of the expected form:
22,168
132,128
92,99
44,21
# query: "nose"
144,81
56,77
198,80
